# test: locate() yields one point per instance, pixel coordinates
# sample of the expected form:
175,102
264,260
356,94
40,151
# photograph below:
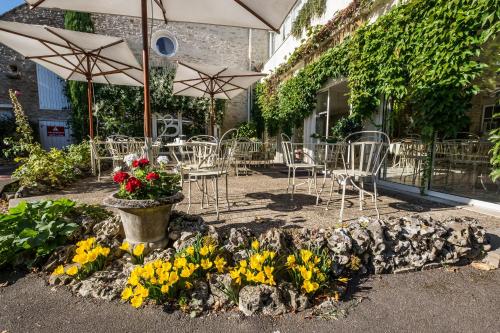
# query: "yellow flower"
317,259
188,285
243,263
255,262
204,251
250,276
173,278
270,281
125,246
343,280
309,286
255,245
180,262
136,301
219,264
81,250
269,271
104,251
167,266
153,280
190,250
138,250
164,288
141,291
235,275
206,264
81,259
260,277
92,256
72,271
211,248
133,280
305,255
306,274
290,260
59,270
127,293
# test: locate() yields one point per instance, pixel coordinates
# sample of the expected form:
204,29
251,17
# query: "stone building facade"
198,43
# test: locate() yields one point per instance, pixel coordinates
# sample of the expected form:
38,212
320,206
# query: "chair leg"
202,191
375,194
227,194
331,192
189,193
361,193
217,196
288,186
293,183
98,170
316,186
344,184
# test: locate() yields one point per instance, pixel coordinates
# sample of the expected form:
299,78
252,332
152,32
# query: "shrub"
31,231
54,168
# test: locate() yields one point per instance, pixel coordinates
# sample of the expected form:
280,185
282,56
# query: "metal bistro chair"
242,156
363,154
312,168
214,167
98,150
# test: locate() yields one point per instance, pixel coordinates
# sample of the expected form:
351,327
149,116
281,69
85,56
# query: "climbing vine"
311,9
424,55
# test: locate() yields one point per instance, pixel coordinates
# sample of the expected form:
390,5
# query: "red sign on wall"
56,131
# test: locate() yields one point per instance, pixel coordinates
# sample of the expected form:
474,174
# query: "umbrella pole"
91,123
145,67
212,116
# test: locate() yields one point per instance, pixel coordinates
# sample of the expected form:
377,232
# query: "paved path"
439,300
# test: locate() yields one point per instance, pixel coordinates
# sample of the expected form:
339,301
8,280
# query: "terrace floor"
259,201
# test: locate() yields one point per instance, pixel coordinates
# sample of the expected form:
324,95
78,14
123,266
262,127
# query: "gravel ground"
440,300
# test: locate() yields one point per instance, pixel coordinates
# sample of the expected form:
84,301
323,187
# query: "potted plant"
144,201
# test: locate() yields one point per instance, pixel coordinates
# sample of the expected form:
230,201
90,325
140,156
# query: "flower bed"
272,273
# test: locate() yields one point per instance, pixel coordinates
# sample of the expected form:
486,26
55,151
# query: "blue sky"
6,5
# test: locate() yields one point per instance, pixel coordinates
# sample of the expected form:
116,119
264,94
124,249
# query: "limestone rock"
261,298
220,285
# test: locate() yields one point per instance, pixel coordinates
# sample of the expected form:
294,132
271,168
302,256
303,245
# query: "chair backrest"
203,138
226,149
288,150
365,152
329,155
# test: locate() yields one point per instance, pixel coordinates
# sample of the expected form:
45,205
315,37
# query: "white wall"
291,43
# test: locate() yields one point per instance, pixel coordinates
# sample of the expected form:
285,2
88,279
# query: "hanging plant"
312,9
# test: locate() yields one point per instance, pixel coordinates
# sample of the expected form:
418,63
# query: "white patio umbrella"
75,56
214,82
257,14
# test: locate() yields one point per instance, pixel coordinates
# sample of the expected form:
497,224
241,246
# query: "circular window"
164,44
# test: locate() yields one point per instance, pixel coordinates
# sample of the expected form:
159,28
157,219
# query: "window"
488,122
51,95
164,44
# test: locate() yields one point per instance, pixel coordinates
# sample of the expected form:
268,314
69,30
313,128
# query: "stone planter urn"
145,221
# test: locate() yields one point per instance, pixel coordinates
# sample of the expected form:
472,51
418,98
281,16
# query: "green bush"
247,130
31,231
495,152
54,168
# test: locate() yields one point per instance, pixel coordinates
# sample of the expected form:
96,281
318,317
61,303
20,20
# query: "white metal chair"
242,155
363,154
311,167
97,149
212,168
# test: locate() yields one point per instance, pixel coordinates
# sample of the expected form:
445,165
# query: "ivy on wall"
311,9
425,55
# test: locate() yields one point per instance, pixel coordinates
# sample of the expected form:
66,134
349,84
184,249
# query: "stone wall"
199,43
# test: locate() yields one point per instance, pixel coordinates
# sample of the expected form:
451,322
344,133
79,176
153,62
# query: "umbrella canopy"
214,82
258,14
75,56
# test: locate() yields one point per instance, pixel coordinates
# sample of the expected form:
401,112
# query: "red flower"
120,177
133,184
152,176
140,163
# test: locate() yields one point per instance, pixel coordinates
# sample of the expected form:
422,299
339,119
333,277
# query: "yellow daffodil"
243,263
157,264
190,250
270,281
317,260
219,264
268,271
127,293
72,271
206,264
125,246
305,255
180,262
81,259
164,289
204,251
306,274
255,245
141,291
235,276
173,278
309,286
138,250
136,301
211,248
133,280
104,251
260,277
59,270
343,280
92,256
167,266
290,260
188,285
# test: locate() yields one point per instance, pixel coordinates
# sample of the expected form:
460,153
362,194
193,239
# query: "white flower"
117,169
128,159
162,160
